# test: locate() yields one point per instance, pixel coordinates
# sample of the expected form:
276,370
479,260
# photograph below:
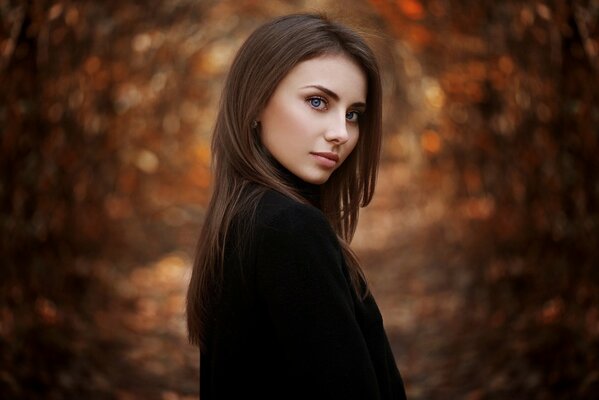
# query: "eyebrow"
334,95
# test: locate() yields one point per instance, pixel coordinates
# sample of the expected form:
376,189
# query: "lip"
326,159
331,156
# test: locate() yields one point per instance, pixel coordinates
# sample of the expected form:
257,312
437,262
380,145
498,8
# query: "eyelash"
309,100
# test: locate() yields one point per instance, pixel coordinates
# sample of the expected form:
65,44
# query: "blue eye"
352,116
317,102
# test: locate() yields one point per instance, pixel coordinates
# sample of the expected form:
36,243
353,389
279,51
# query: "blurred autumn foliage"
516,140
481,245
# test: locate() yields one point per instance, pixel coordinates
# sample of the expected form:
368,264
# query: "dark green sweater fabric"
288,324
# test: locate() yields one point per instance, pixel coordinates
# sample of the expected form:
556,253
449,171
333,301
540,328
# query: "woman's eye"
352,116
317,102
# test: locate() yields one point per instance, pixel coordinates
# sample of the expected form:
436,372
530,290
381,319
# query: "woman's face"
310,124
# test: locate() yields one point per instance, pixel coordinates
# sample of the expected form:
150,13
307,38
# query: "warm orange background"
481,244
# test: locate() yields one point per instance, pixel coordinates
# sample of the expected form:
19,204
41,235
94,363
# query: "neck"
309,191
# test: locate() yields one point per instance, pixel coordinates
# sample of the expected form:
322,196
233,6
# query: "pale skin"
310,124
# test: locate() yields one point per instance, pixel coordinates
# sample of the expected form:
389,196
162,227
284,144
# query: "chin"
316,179
314,176
319,181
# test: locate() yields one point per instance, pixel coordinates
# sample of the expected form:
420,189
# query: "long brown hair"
243,170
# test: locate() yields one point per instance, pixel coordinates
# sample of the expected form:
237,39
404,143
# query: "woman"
277,301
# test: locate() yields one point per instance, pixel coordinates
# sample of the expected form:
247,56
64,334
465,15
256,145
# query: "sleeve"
300,279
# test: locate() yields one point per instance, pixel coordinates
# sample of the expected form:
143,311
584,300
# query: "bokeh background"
481,246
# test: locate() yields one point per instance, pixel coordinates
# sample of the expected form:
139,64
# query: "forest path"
146,328
410,242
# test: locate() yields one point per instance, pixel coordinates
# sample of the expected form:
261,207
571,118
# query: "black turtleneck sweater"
288,324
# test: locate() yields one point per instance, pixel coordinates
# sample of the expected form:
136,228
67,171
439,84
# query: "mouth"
328,155
326,160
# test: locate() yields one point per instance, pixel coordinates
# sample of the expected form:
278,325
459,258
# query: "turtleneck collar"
309,191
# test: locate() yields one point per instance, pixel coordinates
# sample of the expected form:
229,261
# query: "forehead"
336,72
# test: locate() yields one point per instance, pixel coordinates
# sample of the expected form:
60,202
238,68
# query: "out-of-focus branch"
8,51
590,48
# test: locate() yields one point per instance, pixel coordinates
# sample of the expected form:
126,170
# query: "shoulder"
296,247
285,215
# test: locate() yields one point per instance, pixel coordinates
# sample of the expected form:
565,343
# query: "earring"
254,124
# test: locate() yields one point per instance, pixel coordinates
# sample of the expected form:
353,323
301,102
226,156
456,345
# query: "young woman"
277,301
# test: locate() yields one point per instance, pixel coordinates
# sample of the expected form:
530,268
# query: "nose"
336,131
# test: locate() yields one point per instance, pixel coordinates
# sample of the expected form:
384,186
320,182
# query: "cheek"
284,121
284,131
350,146
353,143
294,121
